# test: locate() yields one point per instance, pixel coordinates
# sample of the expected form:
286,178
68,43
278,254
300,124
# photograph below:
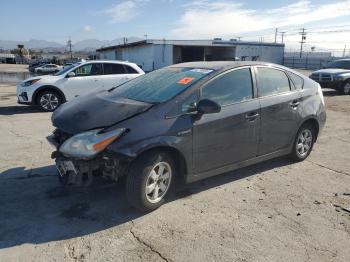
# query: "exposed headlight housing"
88,144
29,82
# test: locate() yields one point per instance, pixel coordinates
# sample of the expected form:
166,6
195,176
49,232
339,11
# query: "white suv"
50,91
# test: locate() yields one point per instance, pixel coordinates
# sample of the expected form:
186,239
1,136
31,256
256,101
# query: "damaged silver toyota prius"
184,123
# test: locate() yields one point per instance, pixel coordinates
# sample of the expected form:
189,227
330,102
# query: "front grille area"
321,77
326,77
315,77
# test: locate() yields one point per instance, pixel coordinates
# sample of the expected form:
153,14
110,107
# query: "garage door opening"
203,53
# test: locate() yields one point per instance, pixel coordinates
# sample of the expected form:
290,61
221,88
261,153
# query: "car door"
231,135
279,109
86,80
114,74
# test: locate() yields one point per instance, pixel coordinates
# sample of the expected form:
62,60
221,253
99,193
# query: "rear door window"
89,70
272,81
114,69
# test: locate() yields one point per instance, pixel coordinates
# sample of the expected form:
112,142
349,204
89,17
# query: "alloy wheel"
158,182
304,143
49,101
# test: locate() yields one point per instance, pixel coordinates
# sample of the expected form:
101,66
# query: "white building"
153,54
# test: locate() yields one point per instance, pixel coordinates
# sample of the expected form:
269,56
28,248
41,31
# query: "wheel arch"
314,123
45,88
178,157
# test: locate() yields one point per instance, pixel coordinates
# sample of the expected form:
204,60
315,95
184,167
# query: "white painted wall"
155,56
107,55
163,56
273,54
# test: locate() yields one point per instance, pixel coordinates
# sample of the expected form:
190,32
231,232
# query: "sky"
326,22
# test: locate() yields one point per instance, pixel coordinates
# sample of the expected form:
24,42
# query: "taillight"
320,93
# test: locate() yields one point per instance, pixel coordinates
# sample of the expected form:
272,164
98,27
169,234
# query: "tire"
49,100
39,72
345,89
303,143
145,173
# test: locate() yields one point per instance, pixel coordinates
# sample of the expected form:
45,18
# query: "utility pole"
303,40
282,35
344,51
69,44
276,32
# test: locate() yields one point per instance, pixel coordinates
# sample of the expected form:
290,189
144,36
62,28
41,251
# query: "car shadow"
16,110
35,209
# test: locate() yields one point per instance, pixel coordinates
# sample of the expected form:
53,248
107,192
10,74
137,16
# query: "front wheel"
149,180
345,89
49,100
303,143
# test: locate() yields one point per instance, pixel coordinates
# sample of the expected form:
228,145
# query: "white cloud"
87,29
207,19
123,11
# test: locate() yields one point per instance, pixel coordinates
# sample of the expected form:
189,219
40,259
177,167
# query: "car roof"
224,65
109,61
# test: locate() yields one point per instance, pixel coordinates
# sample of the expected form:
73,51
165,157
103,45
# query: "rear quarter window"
298,81
130,70
113,69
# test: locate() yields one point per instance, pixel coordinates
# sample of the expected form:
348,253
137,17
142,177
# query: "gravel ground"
273,211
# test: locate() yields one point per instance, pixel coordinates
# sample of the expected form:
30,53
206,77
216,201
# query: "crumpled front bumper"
80,172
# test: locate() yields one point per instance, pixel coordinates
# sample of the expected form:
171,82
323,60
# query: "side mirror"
70,74
207,106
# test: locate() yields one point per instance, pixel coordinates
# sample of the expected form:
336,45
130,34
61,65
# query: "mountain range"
87,45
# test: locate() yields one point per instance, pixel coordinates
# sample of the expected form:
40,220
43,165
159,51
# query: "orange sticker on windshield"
185,80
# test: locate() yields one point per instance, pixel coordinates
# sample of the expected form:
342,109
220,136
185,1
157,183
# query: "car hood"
43,78
332,71
96,110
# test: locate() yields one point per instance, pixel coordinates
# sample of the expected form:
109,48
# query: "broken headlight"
90,143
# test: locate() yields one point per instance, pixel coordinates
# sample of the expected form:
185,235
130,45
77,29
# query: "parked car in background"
336,75
48,92
186,122
34,65
47,69
67,65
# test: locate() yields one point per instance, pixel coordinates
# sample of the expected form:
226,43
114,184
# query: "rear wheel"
49,100
303,143
149,180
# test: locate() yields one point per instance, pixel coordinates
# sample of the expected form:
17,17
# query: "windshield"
160,85
64,70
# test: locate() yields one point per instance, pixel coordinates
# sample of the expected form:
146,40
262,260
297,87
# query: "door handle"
251,116
295,103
